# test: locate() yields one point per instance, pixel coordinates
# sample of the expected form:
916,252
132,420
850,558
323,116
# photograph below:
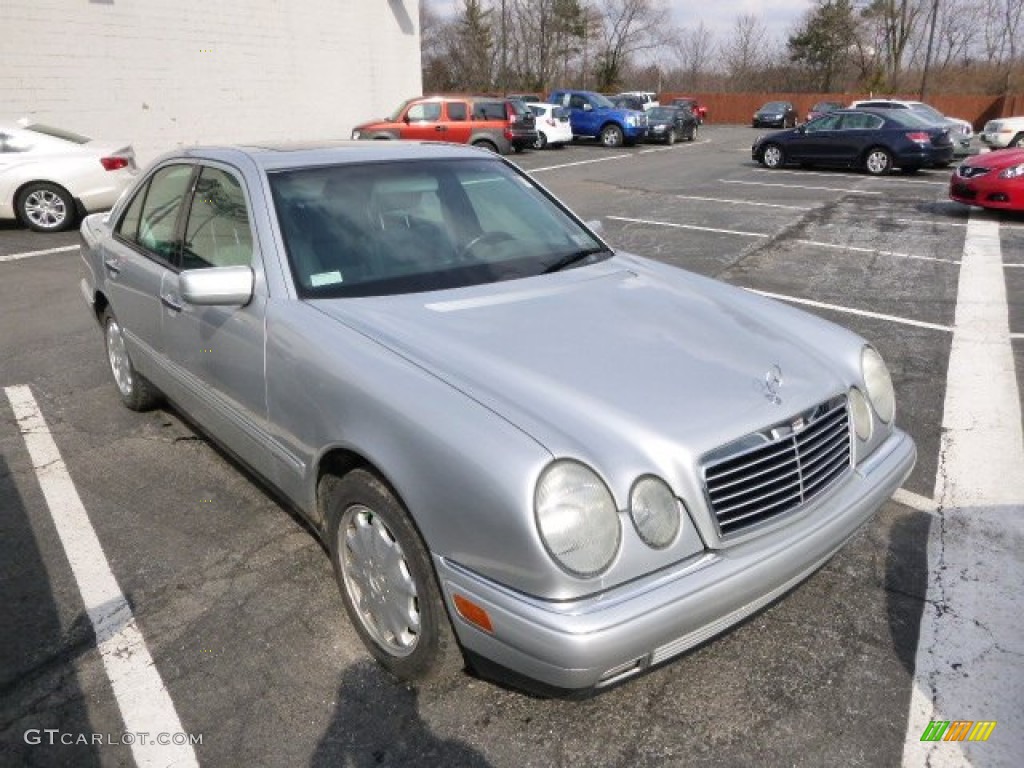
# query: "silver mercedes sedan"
528,454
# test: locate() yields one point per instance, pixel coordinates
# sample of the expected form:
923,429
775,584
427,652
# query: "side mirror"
217,286
587,107
405,118
802,128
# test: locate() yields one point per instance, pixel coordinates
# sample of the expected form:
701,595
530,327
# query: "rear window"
489,110
58,133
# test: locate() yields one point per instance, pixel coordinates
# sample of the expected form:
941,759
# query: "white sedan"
49,177
552,123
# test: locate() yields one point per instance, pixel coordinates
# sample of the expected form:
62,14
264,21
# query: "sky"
779,16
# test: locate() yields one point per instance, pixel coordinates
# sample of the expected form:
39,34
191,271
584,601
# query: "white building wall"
161,73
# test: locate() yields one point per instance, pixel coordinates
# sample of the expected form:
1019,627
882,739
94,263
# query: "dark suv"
491,122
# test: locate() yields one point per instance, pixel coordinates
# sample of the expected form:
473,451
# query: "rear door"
137,259
858,131
457,125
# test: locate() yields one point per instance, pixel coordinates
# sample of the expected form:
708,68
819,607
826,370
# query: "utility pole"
928,51
504,50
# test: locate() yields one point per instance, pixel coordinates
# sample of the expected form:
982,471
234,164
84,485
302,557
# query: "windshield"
662,113
401,227
774,106
393,117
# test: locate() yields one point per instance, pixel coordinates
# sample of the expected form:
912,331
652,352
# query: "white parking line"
30,254
676,146
896,179
968,657
800,186
916,501
876,251
603,159
932,222
687,226
142,697
746,202
852,311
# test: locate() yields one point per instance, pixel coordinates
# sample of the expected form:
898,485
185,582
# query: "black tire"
1017,141
671,138
878,161
693,133
611,136
135,390
773,156
490,146
363,513
46,207
541,141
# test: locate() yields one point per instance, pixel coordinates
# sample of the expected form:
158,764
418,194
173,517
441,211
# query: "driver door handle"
171,302
112,264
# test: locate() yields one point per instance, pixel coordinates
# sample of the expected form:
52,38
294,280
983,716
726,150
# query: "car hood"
625,357
1001,158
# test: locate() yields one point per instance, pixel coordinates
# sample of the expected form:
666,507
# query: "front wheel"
671,138
46,207
611,136
136,392
878,162
1018,141
386,579
693,133
772,156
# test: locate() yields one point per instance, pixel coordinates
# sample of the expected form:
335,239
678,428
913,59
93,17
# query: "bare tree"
745,53
694,49
629,27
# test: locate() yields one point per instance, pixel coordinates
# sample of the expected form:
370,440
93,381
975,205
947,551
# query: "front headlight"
1013,172
655,512
355,135
577,519
860,411
878,384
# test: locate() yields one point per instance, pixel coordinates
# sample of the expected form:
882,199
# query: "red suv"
494,123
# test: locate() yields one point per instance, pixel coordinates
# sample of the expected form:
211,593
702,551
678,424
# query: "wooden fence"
740,107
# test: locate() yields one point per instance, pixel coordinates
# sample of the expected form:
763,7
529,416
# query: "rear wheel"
1018,141
878,161
485,144
46,207
541,141
693,133
136,392
386,579
772,156
611,135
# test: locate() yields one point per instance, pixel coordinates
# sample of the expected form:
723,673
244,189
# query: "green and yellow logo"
958,730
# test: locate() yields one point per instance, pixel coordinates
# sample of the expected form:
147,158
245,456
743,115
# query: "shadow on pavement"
377,723
38,686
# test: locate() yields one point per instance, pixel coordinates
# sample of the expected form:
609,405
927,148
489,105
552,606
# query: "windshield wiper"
573,258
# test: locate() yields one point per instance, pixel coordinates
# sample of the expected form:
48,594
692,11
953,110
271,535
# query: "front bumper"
988,192
600,640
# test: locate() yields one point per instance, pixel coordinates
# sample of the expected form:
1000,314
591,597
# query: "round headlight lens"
861,413
655,512
577,519
878,384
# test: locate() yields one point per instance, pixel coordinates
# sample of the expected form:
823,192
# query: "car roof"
272,156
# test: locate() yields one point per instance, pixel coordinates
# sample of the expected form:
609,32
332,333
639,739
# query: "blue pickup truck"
594,116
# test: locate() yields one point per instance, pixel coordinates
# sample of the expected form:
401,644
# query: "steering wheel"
485,238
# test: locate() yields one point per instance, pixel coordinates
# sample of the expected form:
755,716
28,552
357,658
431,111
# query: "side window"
217,233
457,111
128,228
158,220
826,123
424,112
576,102
489,110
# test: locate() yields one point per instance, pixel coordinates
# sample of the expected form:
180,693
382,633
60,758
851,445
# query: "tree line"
879,46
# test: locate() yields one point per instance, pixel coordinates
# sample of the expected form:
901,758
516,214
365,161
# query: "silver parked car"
524,450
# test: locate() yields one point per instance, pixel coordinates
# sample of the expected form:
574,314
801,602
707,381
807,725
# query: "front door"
423,122
216,353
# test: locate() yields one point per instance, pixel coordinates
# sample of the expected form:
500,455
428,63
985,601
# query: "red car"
992,180
698,109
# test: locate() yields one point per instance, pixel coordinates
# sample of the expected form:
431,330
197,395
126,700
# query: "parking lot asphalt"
237,602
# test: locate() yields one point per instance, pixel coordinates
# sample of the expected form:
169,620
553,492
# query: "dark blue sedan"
876,141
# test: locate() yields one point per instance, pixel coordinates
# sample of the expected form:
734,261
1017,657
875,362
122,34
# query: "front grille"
971,171
779,469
